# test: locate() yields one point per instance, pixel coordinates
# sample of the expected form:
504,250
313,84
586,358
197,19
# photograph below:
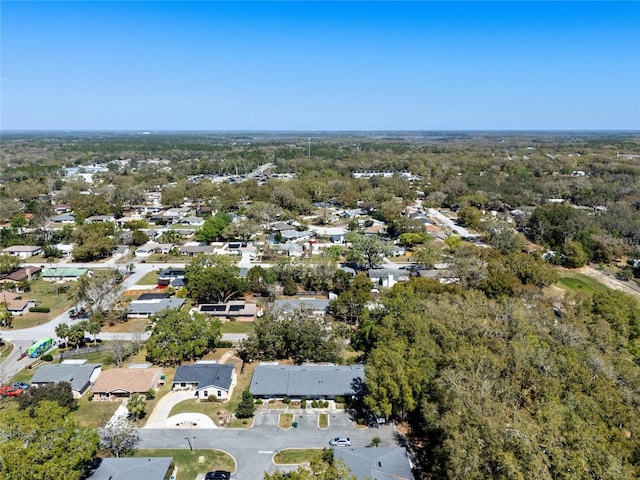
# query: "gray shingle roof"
77,375
306,380
293,304
150,468
205,375
383,463
151,307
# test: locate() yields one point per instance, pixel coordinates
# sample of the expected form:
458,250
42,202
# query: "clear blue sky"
319,66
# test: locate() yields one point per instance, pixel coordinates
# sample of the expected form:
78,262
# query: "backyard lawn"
578,282
190,464
237,327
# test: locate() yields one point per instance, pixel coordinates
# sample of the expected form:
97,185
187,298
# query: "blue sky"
319,66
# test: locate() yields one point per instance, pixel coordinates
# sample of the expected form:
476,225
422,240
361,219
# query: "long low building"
310,381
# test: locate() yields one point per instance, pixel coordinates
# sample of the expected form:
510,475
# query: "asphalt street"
254,448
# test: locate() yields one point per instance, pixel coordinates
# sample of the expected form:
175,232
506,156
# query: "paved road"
253,448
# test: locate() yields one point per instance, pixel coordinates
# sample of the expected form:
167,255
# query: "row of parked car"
14,390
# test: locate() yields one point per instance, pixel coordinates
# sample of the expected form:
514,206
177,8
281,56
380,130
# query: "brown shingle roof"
131,380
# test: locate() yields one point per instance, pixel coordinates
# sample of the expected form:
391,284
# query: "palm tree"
137,405
62,331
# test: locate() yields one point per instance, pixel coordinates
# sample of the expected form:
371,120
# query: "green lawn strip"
582,283
192,406
323,420
23,376
94,414
240,423
293,456
5,349
285,420
190,464
150,278
237,327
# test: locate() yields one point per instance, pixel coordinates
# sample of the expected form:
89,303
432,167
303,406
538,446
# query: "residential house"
63,274
100,219
193,221
382,463
127,468
311,306
291,249
207,379
145,307
22,274
79,374
295,236
63,219
168,275
150,248
119,383
22,251
16,303
387,277
194,250
236,310
310,381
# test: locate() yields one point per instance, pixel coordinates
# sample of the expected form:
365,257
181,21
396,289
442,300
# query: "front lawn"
94,414
190,464
294,456
323,420
45,294
5,349
150,278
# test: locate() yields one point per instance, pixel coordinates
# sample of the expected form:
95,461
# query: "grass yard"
5,349
190,464
45,294
294,456
150,278
581,283
240,423
131,325
237,327
323,420
94,414
285,420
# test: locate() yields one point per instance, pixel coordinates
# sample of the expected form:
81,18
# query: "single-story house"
382,463
63,274
280,226
387,277
192,221
124,468
291,249
295,236
311,306
22,251
192,250
22,274
147,307
119,383
16,303
79,374
63,219
152,247
238,310
207,379
311,381
100,219
166,276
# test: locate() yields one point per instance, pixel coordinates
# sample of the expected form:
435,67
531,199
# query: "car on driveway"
10,391
340,442
22,385
218,475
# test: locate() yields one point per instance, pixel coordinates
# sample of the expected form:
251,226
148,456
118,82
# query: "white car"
340,442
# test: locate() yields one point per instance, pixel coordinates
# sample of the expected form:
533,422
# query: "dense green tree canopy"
44,444
177,336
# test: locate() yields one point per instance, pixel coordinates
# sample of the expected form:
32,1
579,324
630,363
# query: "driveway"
160,414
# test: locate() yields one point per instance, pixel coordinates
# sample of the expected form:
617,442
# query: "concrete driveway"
160,414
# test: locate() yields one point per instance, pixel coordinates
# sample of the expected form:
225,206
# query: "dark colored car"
218,475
